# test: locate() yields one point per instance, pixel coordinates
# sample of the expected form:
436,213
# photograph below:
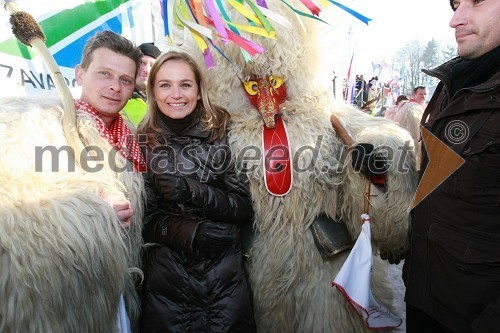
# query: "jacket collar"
454,107
443,73
194,130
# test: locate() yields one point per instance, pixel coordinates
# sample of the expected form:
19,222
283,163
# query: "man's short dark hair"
417,89
113,42
401,98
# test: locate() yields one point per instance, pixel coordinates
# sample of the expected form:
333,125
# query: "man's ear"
79,75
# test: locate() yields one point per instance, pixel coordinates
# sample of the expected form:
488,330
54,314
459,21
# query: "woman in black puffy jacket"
195,278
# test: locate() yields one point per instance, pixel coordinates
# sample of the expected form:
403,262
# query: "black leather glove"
392,258
369,163
171,188
213,237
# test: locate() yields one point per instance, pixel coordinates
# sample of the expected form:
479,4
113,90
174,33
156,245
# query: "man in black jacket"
453,271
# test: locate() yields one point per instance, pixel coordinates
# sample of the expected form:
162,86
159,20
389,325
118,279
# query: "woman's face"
175,89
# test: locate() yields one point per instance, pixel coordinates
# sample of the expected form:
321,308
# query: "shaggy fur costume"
291,281
64,257
408,117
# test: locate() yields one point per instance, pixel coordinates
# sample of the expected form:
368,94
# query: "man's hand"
124,212
392,258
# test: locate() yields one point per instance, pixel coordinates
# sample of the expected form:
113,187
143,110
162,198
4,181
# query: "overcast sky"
394,24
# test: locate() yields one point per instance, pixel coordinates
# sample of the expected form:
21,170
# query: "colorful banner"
67,25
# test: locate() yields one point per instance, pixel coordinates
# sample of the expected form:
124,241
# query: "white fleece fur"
290,280
64,257
408,117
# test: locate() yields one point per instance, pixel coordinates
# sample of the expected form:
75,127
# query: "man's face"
420,96
476,25
142,75
108,82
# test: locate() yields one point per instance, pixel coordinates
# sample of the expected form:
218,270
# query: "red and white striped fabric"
118,135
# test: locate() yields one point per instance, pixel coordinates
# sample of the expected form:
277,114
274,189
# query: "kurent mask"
266,94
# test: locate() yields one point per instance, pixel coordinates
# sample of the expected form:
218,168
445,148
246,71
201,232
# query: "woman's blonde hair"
212,117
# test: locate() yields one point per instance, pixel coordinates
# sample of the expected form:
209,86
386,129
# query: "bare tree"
410,58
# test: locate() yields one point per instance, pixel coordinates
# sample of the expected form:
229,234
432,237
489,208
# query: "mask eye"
276,81
251,87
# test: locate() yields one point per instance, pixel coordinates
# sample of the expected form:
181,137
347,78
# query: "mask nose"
266,104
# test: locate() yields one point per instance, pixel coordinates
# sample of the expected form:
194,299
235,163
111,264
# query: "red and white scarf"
118,135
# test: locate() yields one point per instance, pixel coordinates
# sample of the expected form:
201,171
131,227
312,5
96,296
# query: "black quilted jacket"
186,290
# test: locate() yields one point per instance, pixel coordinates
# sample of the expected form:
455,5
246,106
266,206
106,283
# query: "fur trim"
65,257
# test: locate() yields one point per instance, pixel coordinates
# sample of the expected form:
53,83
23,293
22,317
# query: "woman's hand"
213,237
171,188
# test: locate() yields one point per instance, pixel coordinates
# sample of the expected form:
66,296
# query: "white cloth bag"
353,281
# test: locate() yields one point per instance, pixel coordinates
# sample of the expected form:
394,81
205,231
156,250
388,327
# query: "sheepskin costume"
408,117
291,281
65,258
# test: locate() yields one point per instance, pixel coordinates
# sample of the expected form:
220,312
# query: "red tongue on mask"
278,168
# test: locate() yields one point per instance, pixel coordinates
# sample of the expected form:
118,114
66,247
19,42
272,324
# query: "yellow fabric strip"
261,17
199,40
324,3
245,12
254,30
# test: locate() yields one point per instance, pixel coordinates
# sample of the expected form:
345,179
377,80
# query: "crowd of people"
406,111
195,276
367,94
373,96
